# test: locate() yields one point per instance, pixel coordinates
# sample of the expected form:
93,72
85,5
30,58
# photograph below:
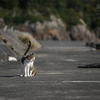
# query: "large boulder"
51,30
80,32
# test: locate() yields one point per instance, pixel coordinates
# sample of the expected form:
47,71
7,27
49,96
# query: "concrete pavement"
57,78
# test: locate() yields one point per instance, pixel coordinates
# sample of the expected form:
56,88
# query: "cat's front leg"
21,72
31,73
26,71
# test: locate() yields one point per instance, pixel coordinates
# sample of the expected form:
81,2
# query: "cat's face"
8,56
31,57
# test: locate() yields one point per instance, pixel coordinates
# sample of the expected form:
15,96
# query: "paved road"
58,77
4,51
64,46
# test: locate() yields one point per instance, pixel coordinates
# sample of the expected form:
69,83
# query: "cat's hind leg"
22,70
33,72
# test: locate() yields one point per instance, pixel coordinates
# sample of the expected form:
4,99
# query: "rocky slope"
55,30
79,32
4,51
18,40
48,30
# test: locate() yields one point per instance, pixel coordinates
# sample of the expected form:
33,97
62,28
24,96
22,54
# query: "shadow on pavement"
95,65
11,76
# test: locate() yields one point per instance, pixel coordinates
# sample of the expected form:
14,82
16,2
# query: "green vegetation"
11,47
17,53
25,40
33,46
16,12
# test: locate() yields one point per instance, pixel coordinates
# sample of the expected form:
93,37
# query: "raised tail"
27,48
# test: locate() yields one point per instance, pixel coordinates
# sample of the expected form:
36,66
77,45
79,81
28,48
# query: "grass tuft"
25,40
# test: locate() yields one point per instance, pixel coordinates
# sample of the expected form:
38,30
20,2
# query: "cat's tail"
27,48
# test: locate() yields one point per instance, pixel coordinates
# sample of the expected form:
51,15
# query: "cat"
27,64
10,58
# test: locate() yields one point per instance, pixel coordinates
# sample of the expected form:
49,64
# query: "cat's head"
8,56
31,57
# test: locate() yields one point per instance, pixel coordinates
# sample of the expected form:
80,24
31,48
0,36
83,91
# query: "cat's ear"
28,57
32,53
8,55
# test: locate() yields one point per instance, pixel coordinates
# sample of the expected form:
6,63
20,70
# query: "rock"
39,28
97,32
51,30
5,28
48,30
88,44
74,33
98,46
51,24
79,32
55,34
83,23
60,23
24,28
27,22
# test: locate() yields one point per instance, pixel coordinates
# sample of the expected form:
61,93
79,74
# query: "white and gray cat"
11,58
27,64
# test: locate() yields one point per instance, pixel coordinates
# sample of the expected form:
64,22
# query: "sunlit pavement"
58,76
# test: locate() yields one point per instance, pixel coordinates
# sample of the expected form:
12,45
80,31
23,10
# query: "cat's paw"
34,74
21,75
26,76
29,76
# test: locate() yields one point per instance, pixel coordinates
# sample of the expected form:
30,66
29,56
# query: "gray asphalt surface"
57,78
4,51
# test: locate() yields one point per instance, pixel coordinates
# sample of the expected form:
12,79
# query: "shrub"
24,39
33,46
8,19
11,47
18,20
